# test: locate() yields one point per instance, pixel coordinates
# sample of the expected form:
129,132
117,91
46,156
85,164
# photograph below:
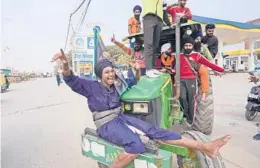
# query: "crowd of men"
156,15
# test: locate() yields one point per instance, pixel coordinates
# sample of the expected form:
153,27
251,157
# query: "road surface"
42,124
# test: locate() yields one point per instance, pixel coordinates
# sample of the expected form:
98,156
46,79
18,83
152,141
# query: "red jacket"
176,9
186,71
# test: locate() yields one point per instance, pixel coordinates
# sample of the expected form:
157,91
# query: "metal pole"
178,50
95,45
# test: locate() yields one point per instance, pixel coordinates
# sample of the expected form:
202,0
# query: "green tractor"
152,101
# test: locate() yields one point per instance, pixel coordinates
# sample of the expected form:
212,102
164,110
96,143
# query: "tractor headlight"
140,108
136,107
127,107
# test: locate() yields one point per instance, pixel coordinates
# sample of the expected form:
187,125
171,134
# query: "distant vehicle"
49,75
4,82
46,75
33,75
5,71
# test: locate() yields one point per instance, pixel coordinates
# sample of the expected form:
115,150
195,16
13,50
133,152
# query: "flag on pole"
102,52
101,49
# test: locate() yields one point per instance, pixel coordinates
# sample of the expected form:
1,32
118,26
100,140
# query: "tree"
118,54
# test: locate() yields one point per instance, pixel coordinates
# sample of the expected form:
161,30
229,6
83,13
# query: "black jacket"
212,42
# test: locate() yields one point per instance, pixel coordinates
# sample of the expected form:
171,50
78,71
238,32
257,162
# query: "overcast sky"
35,29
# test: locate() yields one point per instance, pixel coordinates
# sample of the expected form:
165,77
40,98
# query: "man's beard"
137,48
137,17
168,54
182,5
197,47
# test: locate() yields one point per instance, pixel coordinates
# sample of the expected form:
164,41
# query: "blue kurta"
100,98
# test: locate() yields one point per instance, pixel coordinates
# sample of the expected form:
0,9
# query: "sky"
35,30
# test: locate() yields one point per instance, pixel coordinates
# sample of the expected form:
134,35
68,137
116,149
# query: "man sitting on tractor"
137,52
114,126
167,58
188,74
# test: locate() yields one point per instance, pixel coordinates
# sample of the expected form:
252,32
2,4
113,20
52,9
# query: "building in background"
239,59
257,43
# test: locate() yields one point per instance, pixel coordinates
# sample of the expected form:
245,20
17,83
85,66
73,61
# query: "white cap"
166,47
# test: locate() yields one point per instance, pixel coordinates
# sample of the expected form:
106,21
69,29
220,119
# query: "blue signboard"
90,42
80,42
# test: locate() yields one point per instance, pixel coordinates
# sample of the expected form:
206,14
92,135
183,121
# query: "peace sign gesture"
113,39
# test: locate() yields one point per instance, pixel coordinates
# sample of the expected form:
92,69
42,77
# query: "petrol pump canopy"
230,32
241,52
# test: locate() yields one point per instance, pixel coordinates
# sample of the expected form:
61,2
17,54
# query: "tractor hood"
147,88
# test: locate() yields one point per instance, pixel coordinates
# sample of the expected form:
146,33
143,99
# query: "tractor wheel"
204,117
197,159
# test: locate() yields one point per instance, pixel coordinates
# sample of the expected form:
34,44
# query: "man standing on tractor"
179,11
154,13
134,23
188,74
137,53
210,40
